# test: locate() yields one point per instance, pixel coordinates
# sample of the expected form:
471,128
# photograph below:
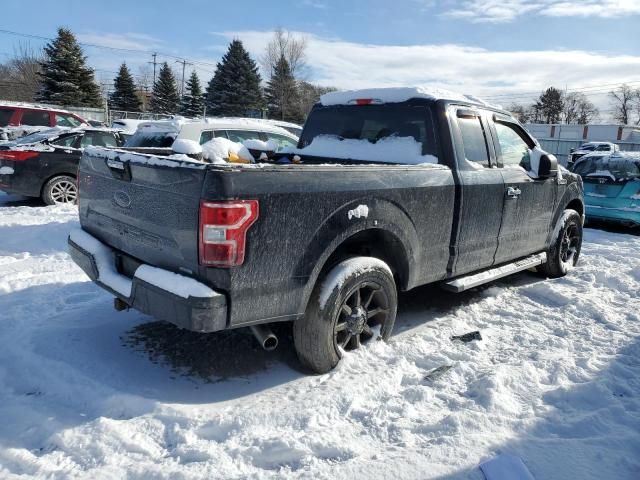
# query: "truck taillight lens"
17,156
223,231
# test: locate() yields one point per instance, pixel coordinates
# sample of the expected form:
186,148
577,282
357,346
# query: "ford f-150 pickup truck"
388,189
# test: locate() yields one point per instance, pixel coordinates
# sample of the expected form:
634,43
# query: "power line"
589,89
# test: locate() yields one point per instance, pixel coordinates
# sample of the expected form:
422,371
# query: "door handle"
513,192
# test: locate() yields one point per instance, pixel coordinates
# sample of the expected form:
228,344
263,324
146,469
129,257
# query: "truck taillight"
17,155
223,231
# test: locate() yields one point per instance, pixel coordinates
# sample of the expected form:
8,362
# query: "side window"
66,121
281,140
98,139
603,148
206,137
5,116
474,140
35,118
67,142
242,135
514,150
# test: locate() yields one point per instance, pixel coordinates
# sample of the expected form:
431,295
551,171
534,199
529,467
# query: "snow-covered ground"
90,393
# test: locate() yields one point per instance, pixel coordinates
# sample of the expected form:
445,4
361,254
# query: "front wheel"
355,303
61,190
565,245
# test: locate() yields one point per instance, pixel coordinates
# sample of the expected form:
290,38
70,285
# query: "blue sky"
504,49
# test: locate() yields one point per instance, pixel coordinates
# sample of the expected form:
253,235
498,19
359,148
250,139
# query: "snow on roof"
33,106
395,95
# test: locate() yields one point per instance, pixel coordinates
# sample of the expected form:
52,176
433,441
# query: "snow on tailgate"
90,393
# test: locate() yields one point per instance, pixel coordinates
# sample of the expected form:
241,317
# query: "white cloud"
131,41
496,11
473,70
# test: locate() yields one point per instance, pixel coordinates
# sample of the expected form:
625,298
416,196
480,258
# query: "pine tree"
193,99
235,89
65,77
551,105
282,94
124,96
165,97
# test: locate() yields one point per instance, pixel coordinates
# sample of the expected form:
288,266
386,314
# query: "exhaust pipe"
266,338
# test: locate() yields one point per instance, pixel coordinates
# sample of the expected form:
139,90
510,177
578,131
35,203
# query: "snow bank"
6,171
179,285
219,150
395,95
401,150
344,270
256,144
105,261
186,147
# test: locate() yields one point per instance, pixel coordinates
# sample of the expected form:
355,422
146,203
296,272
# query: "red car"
16,115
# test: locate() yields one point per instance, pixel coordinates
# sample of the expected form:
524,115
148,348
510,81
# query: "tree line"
59,75
555,106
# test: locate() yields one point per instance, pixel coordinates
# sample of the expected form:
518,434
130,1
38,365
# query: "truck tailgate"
145,207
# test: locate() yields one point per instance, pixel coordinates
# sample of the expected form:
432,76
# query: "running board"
461,284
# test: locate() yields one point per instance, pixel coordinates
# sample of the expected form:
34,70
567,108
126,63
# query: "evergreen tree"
193,99
65,77
124,96
165,97
282,94
550,104
235,89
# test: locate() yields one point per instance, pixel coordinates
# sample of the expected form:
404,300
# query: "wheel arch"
51,177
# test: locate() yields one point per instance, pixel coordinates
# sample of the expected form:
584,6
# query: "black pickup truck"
327,240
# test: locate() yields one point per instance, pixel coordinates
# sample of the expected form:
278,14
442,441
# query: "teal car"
611,186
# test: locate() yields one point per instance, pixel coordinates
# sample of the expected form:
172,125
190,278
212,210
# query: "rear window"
5,116
35,118
372,123
153,139
604,166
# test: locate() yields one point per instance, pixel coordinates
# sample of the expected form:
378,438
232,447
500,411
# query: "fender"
572,193
383,216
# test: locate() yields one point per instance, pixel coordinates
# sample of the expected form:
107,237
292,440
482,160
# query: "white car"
162,133
589,147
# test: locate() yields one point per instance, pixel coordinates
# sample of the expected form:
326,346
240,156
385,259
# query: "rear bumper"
207,313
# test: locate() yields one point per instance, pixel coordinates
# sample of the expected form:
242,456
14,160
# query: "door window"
35,118
242,135
474,140
66,121
67,142
514,150
281,140
5,116
206,137
98,139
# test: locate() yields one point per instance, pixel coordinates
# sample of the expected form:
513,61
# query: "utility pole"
184,65
154,55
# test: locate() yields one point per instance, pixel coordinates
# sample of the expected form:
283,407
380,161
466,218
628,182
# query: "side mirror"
572,150
548,166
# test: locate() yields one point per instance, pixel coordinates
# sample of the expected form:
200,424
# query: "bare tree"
520,112
622,99
309,94
578,109
19,80
285,44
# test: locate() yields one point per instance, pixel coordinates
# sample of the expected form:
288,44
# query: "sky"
502,50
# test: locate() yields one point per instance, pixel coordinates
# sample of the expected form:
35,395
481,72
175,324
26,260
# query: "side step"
461,284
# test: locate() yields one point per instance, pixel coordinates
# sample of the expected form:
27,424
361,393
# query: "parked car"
393,188
45,164
127,126
611,186
589,147
160,134
19,119
292,128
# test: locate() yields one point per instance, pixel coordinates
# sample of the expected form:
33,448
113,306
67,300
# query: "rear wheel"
565,247
60,190
354,304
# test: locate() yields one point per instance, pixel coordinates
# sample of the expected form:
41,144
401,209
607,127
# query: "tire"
566,243
346,309
60,190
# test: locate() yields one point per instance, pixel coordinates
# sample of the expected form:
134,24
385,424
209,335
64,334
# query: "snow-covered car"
589,147
611,186
388,189
45,164
161,134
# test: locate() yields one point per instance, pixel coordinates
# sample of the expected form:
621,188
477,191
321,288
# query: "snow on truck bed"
86,392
